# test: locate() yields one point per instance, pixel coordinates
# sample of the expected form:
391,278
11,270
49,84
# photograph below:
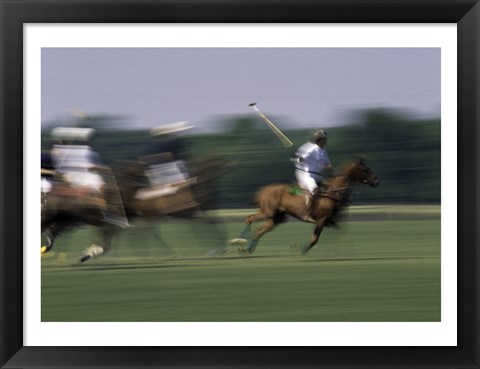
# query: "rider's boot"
309,199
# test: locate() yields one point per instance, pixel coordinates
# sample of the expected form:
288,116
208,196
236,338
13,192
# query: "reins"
336,190
339,189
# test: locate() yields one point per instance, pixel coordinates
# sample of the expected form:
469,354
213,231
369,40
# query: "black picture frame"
15,13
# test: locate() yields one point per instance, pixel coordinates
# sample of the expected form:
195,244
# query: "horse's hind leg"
95,250
162,243
108,234
246,233
259,232
254,217
267,226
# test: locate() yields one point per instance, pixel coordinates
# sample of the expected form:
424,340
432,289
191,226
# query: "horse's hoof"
237,241
243,251
332,224
298,250
220,251
85,258
92,251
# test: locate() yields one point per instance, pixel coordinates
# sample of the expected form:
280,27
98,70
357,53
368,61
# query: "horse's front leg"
51,233
315,236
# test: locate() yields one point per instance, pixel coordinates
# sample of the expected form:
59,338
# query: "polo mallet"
283,139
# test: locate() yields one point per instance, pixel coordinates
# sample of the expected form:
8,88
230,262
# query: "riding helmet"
319,133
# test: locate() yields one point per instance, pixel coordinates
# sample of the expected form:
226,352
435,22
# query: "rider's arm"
329,169
100,168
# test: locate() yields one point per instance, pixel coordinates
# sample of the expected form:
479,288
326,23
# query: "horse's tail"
255,199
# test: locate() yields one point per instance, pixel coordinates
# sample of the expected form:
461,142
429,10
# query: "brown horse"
278,200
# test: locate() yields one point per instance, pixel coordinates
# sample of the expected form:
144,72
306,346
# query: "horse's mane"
345,167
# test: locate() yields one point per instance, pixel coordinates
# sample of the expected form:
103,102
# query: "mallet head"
252,104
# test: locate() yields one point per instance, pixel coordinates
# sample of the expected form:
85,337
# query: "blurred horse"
189,197
278,200
65,206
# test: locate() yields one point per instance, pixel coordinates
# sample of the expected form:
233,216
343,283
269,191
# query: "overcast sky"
301,87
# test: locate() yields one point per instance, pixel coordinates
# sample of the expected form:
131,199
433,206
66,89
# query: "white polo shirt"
312,159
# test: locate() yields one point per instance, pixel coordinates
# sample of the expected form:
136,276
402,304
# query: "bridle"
327,193
335,191
358,180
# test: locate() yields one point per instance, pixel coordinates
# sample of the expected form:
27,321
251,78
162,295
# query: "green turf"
371,271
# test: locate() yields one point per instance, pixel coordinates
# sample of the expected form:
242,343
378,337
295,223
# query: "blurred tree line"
405,153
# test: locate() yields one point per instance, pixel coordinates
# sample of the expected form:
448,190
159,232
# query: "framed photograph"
244,85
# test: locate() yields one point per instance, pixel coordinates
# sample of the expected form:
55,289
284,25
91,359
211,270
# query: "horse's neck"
340,181
338,189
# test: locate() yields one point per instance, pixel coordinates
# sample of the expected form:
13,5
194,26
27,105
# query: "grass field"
383,269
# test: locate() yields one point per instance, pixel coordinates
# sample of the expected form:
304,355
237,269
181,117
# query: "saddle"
65,190
63,196
108,200
296,190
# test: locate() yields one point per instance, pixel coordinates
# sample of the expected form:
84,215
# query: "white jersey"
312,159
75,161
66,158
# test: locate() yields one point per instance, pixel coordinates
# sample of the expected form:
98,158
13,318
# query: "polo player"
79,167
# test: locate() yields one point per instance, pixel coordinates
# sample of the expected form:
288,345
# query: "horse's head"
360,171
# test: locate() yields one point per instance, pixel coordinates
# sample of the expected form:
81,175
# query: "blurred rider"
47,172
312,164
166,154
78,165
73,158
